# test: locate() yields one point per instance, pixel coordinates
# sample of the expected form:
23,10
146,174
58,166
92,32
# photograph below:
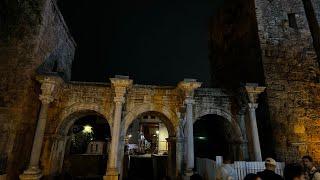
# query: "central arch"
167,117
150,107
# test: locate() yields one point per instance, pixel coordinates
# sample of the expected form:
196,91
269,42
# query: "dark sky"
152,41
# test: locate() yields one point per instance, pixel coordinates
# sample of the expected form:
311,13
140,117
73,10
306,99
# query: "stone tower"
289,40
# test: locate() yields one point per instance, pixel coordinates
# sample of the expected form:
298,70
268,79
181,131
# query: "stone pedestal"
112,174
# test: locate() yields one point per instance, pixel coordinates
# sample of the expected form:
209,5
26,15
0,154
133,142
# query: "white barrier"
206,168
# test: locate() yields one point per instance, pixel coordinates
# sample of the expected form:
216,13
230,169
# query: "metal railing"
207,168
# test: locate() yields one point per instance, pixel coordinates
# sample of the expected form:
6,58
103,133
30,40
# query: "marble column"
189,131
171,157
188,86
120,85
48,86
242,123
179,155
253,91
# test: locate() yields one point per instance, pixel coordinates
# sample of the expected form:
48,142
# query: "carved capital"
49,87
253,91
120,85
188,86
253,106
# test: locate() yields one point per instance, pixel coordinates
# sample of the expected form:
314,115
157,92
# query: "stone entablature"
74,97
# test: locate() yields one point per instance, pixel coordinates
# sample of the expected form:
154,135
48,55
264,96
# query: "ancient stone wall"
77,99
36,30
212,101
291,77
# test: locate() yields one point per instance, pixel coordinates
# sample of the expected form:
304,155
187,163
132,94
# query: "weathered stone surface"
290,67
32,31
77,99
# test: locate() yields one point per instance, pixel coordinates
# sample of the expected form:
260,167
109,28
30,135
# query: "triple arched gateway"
119,104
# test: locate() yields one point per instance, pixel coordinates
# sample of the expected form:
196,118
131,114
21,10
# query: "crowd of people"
306,170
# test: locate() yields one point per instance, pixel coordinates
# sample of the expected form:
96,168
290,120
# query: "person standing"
311,171
269,172
226,171
294,172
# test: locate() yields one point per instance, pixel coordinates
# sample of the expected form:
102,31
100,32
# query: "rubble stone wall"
25,49
291,77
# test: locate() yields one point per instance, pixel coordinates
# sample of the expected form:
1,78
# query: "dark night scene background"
153,42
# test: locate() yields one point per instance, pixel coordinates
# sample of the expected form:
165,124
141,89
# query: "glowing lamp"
87,129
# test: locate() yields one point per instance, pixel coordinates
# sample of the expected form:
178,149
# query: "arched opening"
85,146
149,151
216,136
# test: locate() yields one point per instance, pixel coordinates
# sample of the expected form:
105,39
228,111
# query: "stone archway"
170,120
227,131
67,118
226,115
69,115
135,112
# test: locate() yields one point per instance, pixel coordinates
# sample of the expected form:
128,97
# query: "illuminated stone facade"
291,76
77,99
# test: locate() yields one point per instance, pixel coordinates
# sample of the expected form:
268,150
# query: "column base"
112,174
187,174
32,173
3,177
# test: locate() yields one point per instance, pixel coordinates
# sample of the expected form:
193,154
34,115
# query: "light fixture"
157,132
87,129
130,135
202,138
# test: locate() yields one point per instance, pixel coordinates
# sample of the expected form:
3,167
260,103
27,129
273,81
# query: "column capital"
188,86
120,85
49,87
253,106
253,91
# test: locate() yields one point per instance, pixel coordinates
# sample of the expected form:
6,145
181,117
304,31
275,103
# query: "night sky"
153,42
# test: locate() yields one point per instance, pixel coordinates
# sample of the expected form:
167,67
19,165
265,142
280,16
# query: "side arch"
71,113
216,111
66,119
226,115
